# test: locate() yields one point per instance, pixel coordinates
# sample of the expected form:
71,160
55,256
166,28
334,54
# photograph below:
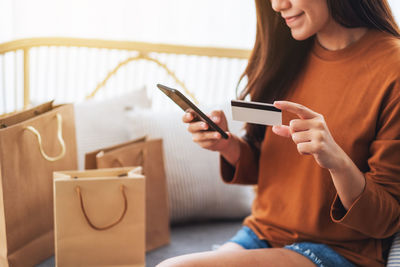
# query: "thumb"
281,130
217,116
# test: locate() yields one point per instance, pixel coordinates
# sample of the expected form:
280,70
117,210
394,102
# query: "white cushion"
195,188
394,254
101,123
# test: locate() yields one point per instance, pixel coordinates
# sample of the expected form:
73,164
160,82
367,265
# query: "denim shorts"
321,255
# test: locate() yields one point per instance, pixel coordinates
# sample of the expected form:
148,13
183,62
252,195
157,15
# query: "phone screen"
186,104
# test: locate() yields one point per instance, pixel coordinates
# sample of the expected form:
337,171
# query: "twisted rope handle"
78,190
59,137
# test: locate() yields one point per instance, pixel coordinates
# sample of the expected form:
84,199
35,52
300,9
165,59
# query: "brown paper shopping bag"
99,217
149,155
33,144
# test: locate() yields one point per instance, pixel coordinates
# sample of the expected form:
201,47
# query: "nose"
279,5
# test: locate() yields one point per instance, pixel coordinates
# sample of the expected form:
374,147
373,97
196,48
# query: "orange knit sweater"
357,90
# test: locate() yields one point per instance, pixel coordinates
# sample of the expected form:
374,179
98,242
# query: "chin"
301,35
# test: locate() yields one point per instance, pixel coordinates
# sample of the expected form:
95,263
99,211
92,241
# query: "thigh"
254,257
230,246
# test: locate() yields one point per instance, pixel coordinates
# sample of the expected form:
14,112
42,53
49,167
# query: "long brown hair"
277,58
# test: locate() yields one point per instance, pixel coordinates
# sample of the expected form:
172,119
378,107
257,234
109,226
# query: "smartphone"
186,105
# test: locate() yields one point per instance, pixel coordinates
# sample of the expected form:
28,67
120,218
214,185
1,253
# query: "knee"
180,261
167,263
172,262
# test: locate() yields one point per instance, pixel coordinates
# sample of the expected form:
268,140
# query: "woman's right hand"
212,140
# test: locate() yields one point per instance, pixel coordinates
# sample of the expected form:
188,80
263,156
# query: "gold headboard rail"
144,50
125,45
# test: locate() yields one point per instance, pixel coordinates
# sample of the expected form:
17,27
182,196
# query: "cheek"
319,17
304,30
311,24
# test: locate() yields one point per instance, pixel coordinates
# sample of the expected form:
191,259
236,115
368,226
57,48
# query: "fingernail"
216,135
204,125
215,119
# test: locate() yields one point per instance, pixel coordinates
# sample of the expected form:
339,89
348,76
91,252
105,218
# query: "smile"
292,19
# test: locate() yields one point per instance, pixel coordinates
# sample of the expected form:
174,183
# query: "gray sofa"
201,236
187,238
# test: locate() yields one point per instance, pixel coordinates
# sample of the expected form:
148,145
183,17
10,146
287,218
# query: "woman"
329,180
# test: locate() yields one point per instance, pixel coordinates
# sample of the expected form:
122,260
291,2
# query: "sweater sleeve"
376,212
246,169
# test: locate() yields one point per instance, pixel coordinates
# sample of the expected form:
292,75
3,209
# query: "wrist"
342,162
231,150
348,180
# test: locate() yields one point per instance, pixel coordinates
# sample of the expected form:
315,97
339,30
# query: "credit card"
256,112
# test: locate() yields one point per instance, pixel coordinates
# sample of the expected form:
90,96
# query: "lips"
290,19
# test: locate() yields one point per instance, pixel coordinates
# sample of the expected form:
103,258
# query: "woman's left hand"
311,135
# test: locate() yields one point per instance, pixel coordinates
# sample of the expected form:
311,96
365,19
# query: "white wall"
226,23
395,5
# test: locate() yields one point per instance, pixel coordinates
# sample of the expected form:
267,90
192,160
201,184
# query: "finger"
281,130
188,117
217,115
299,125
207,144
215,119
206,136
301,137
305,148
195,127
213,141
295,108
308,148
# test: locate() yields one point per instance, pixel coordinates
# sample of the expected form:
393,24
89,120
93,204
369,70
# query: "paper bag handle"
118,163
78,190
59,137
